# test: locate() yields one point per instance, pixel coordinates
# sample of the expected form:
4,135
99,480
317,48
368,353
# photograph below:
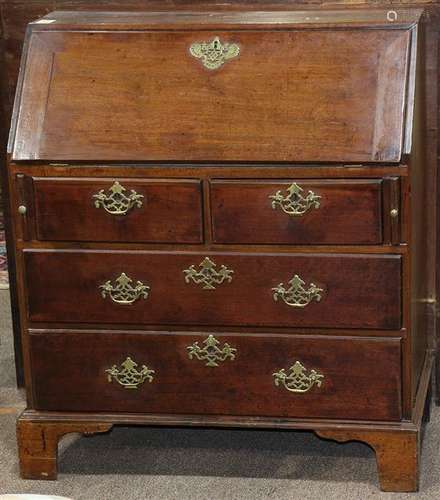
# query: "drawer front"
130,210
297,212
352,291
280,95
265,375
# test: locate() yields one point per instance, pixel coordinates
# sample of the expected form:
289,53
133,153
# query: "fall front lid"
220,88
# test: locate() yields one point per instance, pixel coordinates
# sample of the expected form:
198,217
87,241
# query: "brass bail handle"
123,291
295,203
297,294
212,352
297,379
128,375
208,276
118,201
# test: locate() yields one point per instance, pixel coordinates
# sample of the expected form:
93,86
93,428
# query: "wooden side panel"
358,291
422,218
30,112
361,378
303,95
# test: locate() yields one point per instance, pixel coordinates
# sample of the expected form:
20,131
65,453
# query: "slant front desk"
220,221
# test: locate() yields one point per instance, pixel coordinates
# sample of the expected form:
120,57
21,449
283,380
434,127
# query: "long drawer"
139,287
132,210
234,374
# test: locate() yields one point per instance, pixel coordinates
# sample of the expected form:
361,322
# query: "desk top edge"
175,19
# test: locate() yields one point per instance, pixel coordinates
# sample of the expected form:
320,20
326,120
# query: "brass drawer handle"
215,53
123,292
295,203
211,353
296,295
128,375
116,201
208,275
298,380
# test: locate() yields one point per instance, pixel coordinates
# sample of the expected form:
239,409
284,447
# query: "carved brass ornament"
208,275
295,203
298,380
128,375
296,295
211,353
123,291
116,201
215,53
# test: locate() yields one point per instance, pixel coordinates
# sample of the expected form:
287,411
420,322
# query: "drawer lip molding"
362,376
262,106
170,210
349,211
358,290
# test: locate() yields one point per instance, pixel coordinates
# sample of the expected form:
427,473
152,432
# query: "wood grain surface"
397,455
170,211
38,445
286,97
347,212
356,372
15,14
359,291
385,287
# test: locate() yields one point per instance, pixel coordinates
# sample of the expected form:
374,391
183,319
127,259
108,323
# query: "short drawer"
131,210
297,212
140,287
234,374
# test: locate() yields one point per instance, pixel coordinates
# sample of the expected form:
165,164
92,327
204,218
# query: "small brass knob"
394,212
22,210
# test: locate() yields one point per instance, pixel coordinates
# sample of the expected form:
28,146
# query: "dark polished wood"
397,445
170,211
355,372
359,291
95,103
15,14
242,386
377,288
225,17
348,212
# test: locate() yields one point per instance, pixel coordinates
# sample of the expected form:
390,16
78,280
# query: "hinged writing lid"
262,86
